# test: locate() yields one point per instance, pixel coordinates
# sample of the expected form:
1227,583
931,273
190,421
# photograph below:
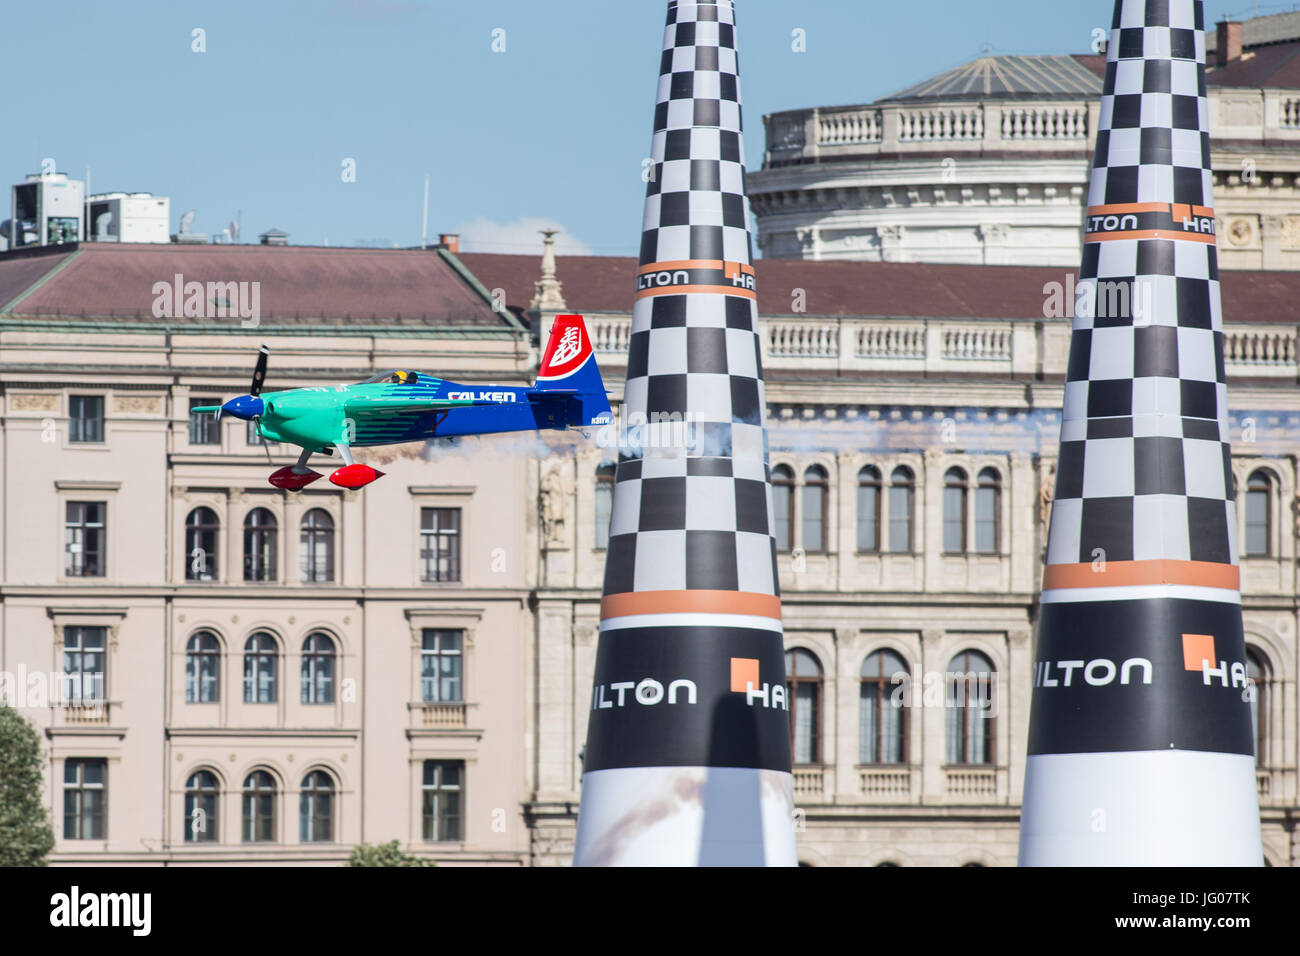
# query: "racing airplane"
399,406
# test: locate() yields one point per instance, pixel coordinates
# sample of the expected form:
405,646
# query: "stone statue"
554,506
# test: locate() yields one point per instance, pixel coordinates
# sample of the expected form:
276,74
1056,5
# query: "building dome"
988,163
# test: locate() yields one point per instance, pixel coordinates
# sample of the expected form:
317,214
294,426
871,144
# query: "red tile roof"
605,284
297,284
1267,66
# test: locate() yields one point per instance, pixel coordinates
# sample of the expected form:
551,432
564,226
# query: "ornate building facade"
988,163
227,673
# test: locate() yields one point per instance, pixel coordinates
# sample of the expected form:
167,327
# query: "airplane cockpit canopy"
394,376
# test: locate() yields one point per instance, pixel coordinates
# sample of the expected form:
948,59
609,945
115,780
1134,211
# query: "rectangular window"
439,544
86,418
204,427
868,510
443,792
986,520
440,666
83,665
900,519
84,790
84,539
1257,523
954,520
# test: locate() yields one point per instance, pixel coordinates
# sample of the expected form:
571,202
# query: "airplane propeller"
247,407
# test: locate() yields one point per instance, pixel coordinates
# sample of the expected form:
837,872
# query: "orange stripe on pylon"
690,602
1113,574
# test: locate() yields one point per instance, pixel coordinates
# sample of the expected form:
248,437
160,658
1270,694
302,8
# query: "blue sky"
553,129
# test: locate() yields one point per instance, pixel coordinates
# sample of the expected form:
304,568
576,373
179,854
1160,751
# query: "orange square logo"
744,672
1198,648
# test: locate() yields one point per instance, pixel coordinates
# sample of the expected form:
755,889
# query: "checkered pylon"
1140,749
692,509
688,751
1144,470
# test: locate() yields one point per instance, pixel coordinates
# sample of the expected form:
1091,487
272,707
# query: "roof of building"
296,284
1260,31
1065,76
873,289
1277,67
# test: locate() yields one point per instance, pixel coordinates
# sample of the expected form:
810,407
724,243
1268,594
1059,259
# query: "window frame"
317,664
196,530
310,538
309,801
261,546
259,655
1267,480
990,726
430,559
203,425
793,681
877,487
783,484
433,818
257,799
194,676
77,422
195,792
99,695
80,531
439,654
885,686
955,479
820,485
982,490
907,487
603,490
98,816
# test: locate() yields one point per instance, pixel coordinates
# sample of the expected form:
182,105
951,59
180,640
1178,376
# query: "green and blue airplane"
399,406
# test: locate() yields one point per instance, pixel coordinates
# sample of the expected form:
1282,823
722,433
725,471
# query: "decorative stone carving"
1291,232
150,404
1241,231
33,402
554,506
1046,491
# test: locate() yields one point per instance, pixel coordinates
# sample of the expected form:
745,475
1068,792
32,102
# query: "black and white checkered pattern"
1144,470
696,207
696,517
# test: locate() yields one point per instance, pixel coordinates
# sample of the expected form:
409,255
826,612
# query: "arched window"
783,507
201,793
259,807
1259,515
318,669
1258,671
202,534
316,808
316,547
869,509
988,511
902,489
260,654
202,669
259,545
969,706
604,503
803,683
954,511
816,490
882,709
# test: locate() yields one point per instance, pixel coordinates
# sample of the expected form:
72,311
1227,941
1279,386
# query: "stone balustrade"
1024,348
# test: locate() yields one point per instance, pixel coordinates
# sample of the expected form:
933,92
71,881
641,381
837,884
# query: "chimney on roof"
1229,42
450,241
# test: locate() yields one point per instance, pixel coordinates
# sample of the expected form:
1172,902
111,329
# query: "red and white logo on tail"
568,348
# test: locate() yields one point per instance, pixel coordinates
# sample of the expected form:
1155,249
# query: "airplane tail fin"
569,372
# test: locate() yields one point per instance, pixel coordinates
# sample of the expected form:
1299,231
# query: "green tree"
384,854
25,832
